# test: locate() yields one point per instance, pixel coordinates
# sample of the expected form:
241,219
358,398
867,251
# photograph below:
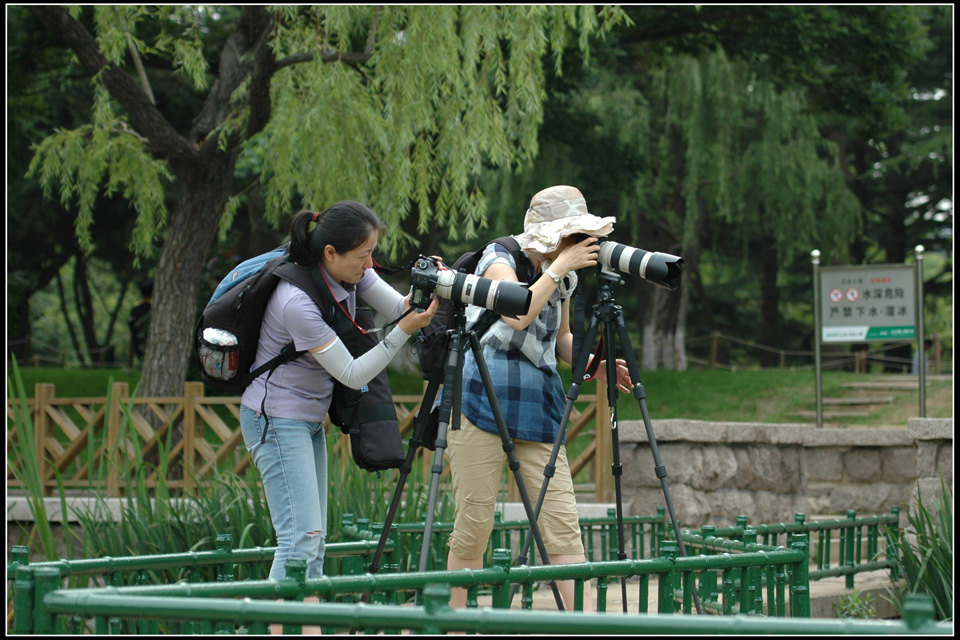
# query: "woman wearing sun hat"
521,354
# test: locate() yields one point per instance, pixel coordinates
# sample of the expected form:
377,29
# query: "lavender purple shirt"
302,389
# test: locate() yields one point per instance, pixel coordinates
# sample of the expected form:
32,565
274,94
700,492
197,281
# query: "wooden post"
603,455
43,393
513,493
714,348
937,349
119,395
191,391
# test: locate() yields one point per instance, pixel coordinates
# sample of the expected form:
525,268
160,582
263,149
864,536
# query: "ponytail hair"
345,226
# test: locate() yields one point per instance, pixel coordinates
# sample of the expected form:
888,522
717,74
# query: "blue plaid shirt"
523,368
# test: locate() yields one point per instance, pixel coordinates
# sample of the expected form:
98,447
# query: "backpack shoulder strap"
299,276
311,280
306,279
525,271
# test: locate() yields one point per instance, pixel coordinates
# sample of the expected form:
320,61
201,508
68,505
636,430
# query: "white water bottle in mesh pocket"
219,353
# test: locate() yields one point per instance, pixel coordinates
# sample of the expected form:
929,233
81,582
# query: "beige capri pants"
476,460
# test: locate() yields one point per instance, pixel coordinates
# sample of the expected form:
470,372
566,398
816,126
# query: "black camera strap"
392,270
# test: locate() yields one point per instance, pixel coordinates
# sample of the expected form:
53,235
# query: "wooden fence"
69,432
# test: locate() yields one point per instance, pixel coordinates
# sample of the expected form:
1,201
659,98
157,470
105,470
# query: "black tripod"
451,376
607,312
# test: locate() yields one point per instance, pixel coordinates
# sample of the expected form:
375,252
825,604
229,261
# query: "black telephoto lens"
511,299
661,269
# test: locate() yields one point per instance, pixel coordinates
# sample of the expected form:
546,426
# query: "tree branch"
245,54
164,141
372,33
138,64
264,66
325,56
352,58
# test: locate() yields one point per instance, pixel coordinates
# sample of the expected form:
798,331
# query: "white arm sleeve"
355,373
384,299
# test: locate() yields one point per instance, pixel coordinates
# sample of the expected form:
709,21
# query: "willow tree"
396,106
742,169
713,163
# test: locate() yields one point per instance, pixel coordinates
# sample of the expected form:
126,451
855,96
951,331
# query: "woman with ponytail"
291,454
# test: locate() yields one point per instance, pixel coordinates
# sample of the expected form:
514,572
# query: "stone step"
833,414
859,400
823,594
887,386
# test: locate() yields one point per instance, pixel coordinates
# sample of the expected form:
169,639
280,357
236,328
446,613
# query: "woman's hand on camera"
577,255
419,318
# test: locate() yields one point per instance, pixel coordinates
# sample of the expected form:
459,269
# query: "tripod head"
608,275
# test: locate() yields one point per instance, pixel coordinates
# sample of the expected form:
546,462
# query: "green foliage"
23,463
57,315
751,156
444,90
855,605
80,160
76,383
224,504
392,105
926,554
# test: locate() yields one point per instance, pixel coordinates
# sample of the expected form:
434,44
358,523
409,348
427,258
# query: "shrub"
926,555
855,605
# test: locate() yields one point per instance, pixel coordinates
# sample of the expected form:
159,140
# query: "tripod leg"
416,439
579,367
452,384
640,394
513,463
617,469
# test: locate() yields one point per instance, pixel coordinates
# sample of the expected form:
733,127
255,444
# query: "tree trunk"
769,304
665,328
193,227
665,321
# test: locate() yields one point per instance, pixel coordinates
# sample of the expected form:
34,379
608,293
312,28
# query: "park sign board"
868,303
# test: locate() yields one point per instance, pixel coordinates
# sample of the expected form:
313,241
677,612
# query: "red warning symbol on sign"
836,295
853,294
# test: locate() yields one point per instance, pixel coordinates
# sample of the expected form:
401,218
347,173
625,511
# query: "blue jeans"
293,466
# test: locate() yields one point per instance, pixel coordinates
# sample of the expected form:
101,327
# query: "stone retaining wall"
769,472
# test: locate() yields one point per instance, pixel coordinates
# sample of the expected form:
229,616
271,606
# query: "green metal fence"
675,579
857,541
734,571
862,544
642,535
226,608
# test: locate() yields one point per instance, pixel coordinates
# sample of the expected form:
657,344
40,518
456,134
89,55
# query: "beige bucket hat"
557,212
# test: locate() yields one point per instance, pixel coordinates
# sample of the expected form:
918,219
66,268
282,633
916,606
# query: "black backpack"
228,334
429,344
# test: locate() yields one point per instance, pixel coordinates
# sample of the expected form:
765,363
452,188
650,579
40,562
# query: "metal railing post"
46,579
849,547
666,585
23,599
800,578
